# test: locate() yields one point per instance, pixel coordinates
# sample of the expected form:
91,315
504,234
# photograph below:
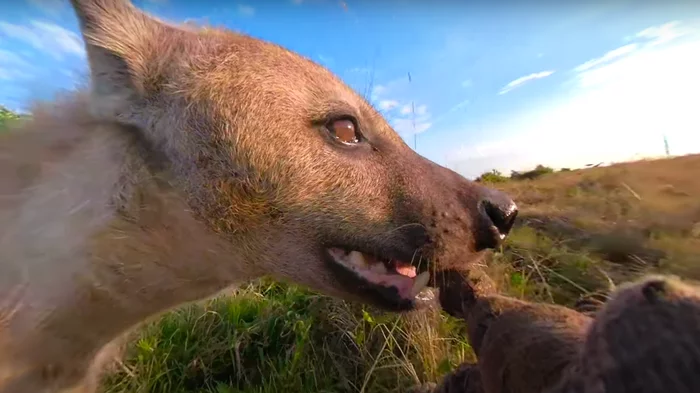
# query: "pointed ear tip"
85,12
88,11
99,3
99,18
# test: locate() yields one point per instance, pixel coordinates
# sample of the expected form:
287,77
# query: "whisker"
389,232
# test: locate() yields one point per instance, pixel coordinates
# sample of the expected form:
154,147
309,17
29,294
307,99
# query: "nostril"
654,290
501,216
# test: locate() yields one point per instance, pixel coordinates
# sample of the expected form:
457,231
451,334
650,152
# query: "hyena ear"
126,53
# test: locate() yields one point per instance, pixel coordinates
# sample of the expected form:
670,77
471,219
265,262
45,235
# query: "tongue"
402,283
407,286
397,274
405,269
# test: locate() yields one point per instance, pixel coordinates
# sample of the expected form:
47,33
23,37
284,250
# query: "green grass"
272,337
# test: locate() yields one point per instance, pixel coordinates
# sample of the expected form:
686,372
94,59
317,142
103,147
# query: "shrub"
531,174
492,176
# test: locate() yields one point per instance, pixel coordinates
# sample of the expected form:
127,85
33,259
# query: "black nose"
497,215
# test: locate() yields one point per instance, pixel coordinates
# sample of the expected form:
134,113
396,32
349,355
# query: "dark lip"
386,298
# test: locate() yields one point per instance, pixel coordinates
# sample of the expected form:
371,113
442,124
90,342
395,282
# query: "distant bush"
492,176
565,170
532,174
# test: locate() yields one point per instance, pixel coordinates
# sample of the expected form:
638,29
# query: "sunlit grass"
273,337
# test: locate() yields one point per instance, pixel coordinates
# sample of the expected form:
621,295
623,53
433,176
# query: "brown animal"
199,159
646,339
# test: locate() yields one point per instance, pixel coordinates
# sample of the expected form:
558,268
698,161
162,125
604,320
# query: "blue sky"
493,84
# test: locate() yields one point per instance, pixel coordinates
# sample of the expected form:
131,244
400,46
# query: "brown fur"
646,339
196,161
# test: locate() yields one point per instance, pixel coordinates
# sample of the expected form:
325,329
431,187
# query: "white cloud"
461,105
524,79
14,59
608,57
51,7
409,126
360,70
412,120
246,10
13,66
657,35
45,37
616,110
386,105
11,74
378,90
624,63
405,116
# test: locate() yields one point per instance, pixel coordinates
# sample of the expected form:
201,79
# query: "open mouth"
397,281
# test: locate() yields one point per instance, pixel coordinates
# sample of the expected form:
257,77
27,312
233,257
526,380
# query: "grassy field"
580,233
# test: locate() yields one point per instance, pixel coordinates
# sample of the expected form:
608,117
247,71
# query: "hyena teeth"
419,283
357,259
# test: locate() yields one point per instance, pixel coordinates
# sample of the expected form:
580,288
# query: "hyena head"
276,154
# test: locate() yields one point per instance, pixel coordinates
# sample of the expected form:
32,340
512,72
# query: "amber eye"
344,131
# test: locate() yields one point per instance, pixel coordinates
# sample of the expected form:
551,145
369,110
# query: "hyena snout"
496,214
467,212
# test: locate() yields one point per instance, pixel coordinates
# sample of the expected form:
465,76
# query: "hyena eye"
344,131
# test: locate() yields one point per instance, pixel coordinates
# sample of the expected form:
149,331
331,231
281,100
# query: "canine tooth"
419,283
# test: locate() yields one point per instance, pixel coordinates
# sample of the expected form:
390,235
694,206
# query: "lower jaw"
382,297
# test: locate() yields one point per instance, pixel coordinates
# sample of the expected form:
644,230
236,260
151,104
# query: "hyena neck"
95,238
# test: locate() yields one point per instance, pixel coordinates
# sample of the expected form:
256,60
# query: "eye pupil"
344,130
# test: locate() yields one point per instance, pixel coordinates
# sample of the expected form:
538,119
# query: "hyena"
645,339
197,159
